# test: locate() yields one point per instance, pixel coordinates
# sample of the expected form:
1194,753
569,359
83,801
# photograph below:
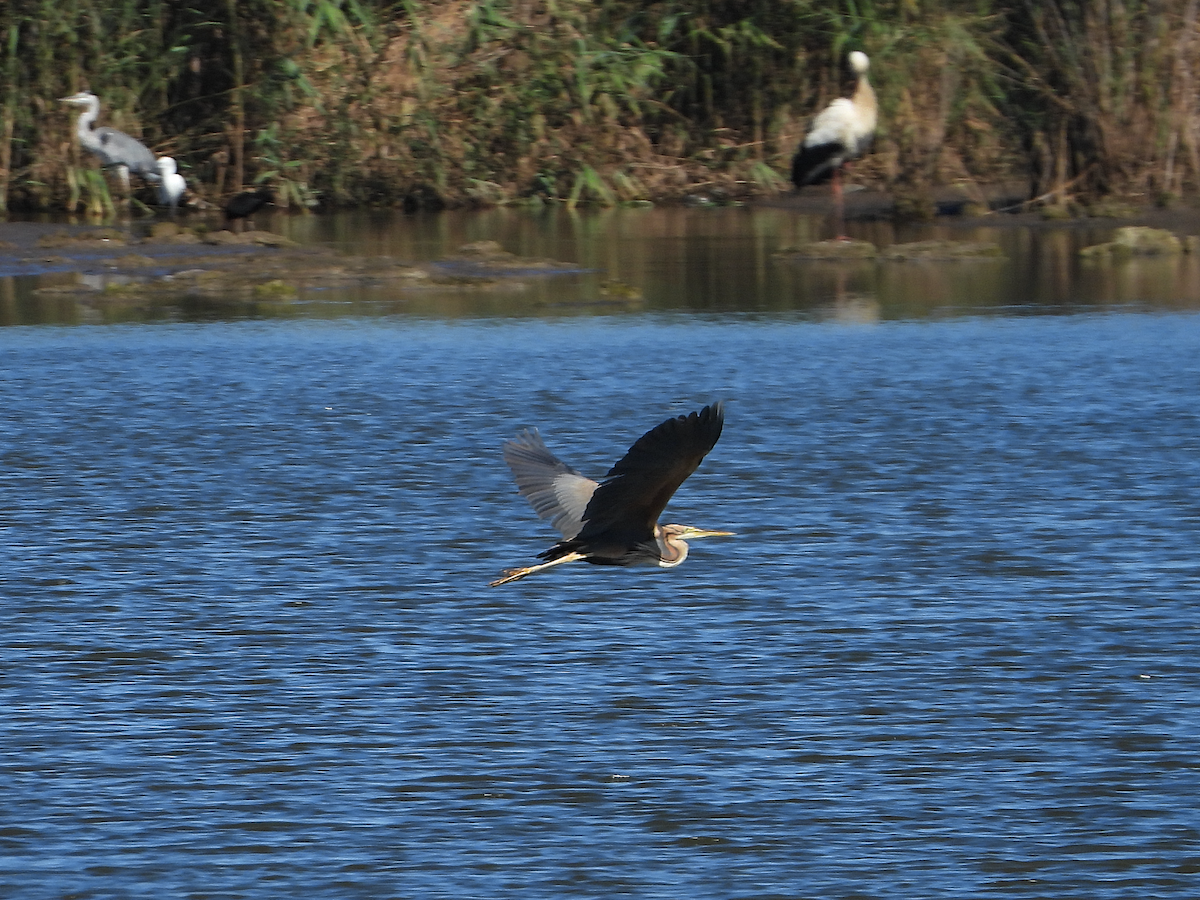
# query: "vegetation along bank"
454,102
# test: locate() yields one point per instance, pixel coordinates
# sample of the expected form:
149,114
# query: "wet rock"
1135,240
942,251
486,258
836,250
183,237
221,238
246,239
162,230
619,290
267,239
236,269
185,274
484,250
275,289
414,274
90,237
133,261
1111,208
1057,212
715,200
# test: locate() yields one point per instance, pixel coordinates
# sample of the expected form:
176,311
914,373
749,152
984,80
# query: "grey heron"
115,149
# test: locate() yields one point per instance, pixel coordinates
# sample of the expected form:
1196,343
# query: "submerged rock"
619,290
1057,212
918,250
942,250
1111,208
160,231
1136,240
485,258
484,250
82,238
246,238
275,289
836,249
262,266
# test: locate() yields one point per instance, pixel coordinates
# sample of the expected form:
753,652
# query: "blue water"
247,648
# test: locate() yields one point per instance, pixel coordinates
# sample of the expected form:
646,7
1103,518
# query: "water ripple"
249,651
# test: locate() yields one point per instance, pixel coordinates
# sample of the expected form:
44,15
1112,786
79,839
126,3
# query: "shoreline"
31,248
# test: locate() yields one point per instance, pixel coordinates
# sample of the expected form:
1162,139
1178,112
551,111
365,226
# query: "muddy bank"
159,264
996,206
167,263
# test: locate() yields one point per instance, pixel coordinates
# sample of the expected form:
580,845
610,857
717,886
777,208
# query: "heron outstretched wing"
635,491
555,490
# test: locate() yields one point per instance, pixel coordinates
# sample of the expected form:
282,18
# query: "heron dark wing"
555,490
635,491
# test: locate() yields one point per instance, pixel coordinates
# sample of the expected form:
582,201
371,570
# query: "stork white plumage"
115,149
172,186
840,132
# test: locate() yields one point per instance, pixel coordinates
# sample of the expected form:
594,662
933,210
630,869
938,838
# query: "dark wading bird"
246,204
615,522
840,132
115,149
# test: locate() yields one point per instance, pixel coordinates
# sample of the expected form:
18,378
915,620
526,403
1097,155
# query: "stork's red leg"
839,207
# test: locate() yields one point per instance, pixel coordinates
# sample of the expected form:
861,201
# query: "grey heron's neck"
87,117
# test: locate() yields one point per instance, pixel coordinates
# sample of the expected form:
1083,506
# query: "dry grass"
501,101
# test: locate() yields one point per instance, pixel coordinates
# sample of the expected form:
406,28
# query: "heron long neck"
84,124
672,550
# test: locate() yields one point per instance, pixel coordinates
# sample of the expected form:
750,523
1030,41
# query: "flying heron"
842,131
615,522
115,149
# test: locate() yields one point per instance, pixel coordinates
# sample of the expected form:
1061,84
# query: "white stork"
840,132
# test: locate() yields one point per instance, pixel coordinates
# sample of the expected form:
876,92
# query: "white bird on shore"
172,186
115,149
840,132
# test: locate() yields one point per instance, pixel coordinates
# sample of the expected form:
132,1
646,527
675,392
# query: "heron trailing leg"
517,574
123,176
